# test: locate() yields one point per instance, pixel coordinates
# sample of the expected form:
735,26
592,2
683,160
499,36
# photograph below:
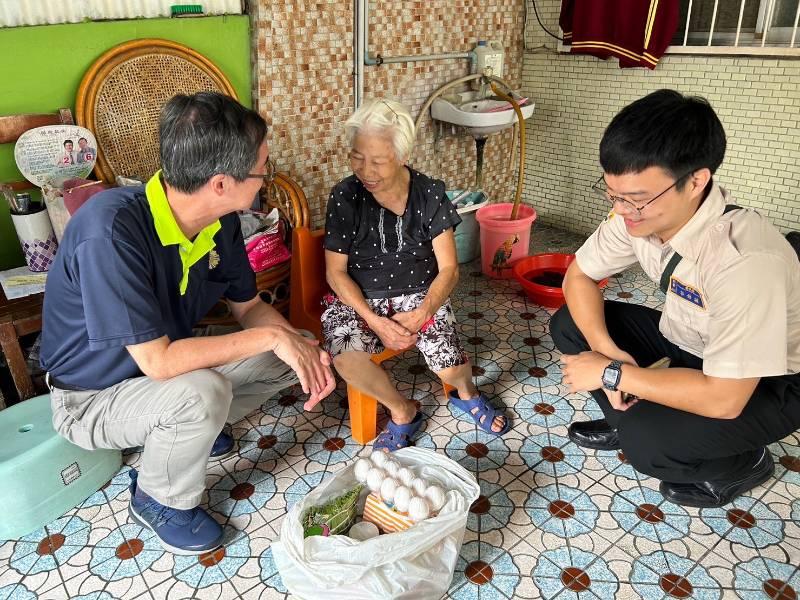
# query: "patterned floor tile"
552,520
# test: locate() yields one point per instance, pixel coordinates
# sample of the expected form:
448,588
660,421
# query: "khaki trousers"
176,420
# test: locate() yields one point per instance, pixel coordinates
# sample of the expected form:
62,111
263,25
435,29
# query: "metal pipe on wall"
359,49
362,58
379,60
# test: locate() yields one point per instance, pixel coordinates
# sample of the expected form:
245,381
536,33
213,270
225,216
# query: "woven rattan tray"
121,96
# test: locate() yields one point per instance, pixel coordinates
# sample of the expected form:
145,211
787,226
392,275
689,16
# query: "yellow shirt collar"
170,234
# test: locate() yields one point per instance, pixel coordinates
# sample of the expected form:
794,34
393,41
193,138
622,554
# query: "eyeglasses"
600,188
268,176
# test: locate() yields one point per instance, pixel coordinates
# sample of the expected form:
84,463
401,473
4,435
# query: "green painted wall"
43,66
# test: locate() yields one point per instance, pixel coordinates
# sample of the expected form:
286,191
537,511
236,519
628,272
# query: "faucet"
485,82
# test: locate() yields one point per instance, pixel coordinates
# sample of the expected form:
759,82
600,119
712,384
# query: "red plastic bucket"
504,242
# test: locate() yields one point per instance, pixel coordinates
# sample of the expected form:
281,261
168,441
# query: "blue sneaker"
222,446
190,531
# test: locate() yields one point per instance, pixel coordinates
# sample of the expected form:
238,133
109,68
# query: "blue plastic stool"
42,475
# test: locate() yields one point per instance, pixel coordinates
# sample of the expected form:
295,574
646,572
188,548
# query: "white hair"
384,117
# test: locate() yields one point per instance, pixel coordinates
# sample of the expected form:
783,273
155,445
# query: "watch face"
609,376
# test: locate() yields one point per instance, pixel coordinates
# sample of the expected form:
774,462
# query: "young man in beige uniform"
730,323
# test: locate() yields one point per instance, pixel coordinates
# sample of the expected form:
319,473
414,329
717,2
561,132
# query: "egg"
363,465
391,467
402,496
378,457
405,475
388,488
375,478
435,497
418,509
419,485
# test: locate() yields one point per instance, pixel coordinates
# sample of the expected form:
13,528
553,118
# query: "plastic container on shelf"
467,234
489,57
504,241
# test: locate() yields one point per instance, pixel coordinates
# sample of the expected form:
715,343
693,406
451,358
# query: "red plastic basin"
529,267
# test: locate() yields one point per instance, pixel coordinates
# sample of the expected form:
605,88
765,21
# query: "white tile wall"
757,100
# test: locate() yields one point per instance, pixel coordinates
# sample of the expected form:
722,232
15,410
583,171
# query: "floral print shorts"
345,331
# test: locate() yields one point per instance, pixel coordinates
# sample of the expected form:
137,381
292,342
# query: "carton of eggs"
398,487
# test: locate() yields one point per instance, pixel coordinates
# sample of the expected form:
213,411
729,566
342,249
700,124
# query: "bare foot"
404,416
497,424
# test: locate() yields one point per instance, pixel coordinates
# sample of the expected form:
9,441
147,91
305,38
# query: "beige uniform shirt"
734,299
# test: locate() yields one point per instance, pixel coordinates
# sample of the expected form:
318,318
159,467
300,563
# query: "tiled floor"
553,521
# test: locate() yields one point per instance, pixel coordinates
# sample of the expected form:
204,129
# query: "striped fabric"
388,520
636,32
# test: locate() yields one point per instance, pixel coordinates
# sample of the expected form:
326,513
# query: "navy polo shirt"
389,255
114,284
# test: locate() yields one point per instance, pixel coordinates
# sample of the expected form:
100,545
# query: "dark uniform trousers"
674,445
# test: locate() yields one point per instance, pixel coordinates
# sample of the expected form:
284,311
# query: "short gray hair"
206,134
387,117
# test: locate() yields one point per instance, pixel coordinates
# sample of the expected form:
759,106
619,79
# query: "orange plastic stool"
364,408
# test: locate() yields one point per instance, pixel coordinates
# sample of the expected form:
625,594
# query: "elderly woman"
391,262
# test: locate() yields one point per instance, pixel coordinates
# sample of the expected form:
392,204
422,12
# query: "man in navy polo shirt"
136,270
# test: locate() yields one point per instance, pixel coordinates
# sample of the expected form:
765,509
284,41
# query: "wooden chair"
307,286
22,316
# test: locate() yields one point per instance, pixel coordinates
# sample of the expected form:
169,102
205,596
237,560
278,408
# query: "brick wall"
303,83
758,101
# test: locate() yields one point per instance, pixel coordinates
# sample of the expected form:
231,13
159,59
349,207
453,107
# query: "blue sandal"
398,436
484,416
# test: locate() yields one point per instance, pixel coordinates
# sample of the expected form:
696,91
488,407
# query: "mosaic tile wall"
757,100
303,63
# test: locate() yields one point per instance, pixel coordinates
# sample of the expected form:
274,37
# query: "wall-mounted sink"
479,116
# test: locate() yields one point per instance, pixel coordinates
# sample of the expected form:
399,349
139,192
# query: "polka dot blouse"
388,254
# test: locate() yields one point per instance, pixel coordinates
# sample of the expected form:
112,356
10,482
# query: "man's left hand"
412,320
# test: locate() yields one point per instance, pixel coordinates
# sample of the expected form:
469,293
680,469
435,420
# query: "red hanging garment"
637,32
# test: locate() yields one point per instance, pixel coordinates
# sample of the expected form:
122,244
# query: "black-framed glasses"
268,176
600,188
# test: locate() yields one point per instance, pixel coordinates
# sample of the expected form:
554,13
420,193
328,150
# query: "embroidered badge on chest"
686,292
213,259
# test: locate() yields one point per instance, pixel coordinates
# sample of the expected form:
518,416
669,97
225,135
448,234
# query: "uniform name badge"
686,292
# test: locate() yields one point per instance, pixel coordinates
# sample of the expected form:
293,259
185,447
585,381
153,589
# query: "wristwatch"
611,375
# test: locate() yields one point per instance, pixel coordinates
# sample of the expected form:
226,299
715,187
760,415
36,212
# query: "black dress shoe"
713,494
594,434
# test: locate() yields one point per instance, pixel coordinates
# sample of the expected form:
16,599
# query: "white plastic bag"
417,563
